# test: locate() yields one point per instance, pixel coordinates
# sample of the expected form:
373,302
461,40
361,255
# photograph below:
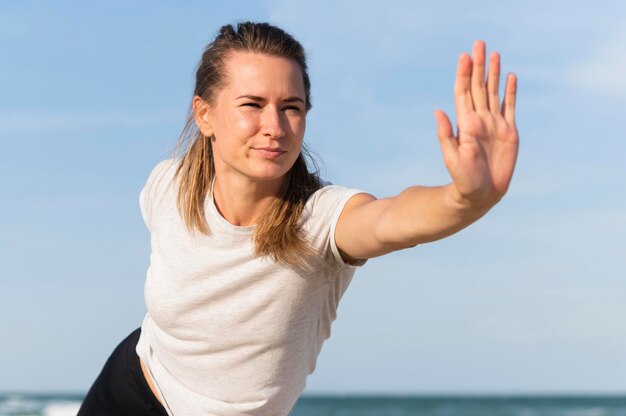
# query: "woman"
251,252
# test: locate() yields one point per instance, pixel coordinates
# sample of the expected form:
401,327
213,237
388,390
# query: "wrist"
473,206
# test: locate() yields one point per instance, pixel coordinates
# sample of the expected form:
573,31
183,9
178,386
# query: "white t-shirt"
228,333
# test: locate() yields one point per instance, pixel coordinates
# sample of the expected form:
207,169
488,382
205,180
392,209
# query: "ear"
201,114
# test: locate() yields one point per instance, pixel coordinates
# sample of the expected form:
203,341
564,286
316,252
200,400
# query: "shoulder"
165,168
161,177
320,216
329,197
157,186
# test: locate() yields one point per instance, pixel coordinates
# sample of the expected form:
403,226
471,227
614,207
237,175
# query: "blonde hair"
278,233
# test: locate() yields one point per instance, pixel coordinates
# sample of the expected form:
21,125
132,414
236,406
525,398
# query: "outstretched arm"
480,159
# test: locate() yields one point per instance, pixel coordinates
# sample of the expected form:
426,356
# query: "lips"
270,149
269,152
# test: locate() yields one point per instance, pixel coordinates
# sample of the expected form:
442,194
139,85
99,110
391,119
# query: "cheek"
231,128
302,125
244,126
298,126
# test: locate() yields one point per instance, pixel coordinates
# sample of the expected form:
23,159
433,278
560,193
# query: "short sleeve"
323,210
149,193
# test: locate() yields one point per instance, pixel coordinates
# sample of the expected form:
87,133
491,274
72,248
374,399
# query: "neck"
242,201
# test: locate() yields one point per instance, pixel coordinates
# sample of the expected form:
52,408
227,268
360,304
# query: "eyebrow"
256,98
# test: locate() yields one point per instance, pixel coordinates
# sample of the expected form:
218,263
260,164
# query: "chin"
269,173
270,176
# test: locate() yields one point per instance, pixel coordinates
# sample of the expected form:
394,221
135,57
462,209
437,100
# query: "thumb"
448,142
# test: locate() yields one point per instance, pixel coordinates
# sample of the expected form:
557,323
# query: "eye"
294,108
251,104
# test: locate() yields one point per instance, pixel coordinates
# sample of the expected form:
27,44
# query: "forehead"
261,74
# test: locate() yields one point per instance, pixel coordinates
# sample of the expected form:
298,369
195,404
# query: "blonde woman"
251,251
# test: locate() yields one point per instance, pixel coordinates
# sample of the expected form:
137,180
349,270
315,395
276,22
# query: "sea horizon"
375,404
556,393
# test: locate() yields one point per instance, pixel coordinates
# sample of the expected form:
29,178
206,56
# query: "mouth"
269,152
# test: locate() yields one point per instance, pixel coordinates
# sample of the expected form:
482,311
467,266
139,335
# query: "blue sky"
530,299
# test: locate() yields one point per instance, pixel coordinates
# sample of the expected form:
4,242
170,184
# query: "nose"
273,123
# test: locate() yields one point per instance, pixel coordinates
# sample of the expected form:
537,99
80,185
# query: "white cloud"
17,122
604,70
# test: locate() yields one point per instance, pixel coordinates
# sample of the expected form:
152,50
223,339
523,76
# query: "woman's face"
257,120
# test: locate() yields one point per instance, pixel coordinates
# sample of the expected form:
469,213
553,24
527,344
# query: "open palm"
481,156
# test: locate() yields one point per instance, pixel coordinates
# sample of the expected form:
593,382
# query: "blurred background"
530,300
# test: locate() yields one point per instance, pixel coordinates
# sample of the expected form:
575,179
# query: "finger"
448,142
462,94
479,89
510,94
493,82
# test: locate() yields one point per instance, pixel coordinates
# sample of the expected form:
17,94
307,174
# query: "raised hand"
481,156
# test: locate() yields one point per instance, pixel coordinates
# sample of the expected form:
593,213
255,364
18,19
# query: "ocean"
308,405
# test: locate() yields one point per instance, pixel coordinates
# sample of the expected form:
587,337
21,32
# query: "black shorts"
121,388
